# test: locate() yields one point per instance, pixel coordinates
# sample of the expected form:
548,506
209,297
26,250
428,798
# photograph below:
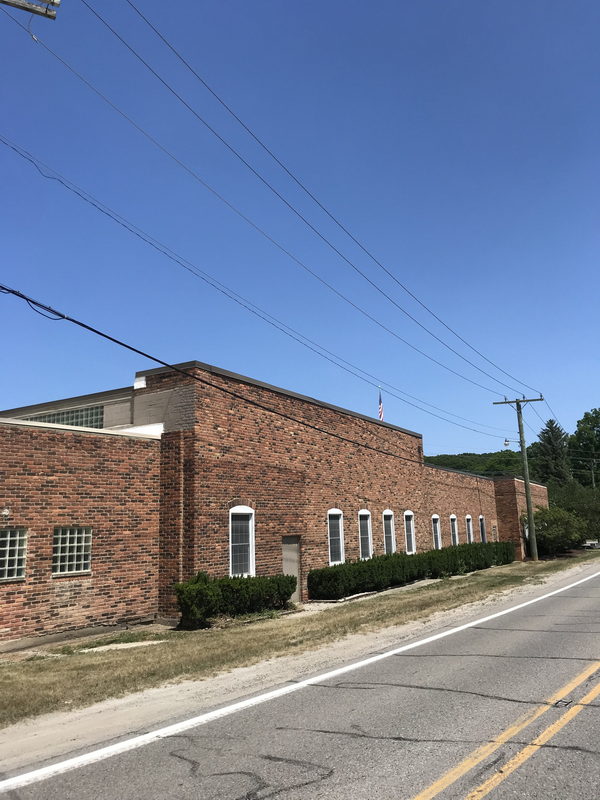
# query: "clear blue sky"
458,140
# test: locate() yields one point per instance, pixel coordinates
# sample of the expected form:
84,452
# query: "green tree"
584,448
550,455
502,462
581,500
557,530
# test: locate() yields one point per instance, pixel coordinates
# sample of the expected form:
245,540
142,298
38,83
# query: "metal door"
291,561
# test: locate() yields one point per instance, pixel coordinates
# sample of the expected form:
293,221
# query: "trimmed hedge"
397,569
202,597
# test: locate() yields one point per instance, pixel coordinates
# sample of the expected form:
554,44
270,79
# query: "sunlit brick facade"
178,462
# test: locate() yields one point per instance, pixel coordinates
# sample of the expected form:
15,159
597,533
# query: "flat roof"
252,382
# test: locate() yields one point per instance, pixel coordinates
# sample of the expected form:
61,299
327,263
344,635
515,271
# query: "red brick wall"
160,510
512,504
52,477
291,474
444,493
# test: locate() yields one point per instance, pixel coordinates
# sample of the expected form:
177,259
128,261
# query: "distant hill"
503,462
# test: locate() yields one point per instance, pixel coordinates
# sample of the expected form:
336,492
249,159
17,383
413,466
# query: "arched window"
241,541
335,532
453,529
437,532
389,531
364,533
482,530
469,528
409,532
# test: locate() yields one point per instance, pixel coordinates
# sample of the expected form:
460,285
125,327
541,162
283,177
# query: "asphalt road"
507,708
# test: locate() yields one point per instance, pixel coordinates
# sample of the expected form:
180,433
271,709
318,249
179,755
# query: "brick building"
107,499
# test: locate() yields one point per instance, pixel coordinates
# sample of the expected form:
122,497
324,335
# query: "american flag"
380,407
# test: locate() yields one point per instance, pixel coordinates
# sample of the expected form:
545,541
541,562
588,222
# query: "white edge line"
27,778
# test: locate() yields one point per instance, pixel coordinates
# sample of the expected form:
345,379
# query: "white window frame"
454,536
75,543
364,512
340,513
482,529
437,545
469,529
410,514
16,543
251,543
389,513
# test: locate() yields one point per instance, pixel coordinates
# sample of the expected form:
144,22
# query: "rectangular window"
13,542
87,417
336,537
71,550
437,534
364,528
242,544
454,530
409,530
482,530
389,537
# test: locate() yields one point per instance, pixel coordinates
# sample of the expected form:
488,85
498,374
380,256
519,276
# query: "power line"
236,395
237,298
312,196
531,428
552,412
278,194
247,219
538,415
554,417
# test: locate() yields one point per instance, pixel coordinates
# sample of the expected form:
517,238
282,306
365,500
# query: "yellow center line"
522,756
479,755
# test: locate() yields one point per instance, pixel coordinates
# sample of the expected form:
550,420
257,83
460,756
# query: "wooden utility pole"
530,519
44,10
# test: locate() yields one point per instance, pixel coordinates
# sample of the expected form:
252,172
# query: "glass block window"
482,530
88,417
409,532
437,533
71,550
454,529
241,541
13,543
389,534
335,530
469,524
364,533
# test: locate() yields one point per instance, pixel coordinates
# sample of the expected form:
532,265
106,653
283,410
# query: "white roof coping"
77,428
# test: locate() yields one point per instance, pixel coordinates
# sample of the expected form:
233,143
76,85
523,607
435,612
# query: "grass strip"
42,685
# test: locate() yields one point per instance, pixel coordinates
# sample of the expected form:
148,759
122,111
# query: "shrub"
202,598
398,569
199,599
557,530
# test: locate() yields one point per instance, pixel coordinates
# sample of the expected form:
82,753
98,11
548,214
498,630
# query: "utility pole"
43,8
530,519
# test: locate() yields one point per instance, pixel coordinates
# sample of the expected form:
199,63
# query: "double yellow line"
523,722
